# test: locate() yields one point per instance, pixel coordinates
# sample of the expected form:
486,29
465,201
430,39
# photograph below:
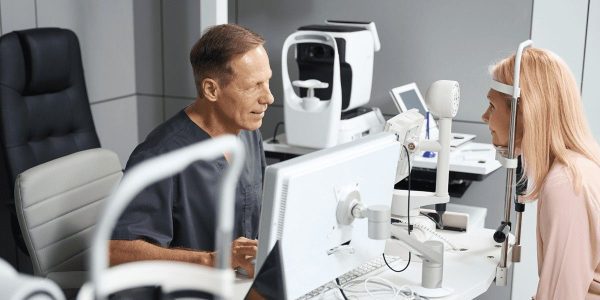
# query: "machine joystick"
310,102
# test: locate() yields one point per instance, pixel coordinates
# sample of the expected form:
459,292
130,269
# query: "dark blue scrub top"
181,211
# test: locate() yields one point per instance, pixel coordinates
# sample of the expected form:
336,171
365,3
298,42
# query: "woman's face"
497,116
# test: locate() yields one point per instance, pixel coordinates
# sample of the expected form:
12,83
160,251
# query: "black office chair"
44,114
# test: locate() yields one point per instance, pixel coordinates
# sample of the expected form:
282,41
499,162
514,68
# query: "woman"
562,166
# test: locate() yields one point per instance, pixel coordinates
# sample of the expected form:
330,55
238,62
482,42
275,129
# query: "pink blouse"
568,233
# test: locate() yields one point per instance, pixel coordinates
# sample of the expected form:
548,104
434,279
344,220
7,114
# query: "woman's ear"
210,89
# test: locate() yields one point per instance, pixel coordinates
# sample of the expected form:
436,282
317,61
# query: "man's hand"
243,254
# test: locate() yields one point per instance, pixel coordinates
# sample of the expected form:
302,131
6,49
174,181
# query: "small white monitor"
300,209
407,97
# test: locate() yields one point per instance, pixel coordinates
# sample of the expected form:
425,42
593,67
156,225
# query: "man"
174,219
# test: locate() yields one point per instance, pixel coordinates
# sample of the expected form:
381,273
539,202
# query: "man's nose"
268,98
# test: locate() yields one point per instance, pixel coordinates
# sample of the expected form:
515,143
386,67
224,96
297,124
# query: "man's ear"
210,89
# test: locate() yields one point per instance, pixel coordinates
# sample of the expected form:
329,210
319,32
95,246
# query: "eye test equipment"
510,162
335,71
337,181
407,97
443,99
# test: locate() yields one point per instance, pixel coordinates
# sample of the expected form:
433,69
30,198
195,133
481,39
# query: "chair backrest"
58,204
44,107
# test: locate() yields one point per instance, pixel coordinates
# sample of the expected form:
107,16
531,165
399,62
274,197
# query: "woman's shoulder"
558,174
585,164
579,162
560,177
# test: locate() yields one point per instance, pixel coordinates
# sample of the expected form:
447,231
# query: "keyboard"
366,268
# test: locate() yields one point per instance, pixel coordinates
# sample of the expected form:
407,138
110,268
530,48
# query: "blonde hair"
552,115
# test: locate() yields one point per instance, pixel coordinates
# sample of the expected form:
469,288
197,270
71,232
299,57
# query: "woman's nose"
485,117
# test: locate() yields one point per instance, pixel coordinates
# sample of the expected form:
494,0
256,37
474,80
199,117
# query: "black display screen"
269,283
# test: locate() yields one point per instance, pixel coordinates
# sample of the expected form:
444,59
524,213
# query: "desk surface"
471,157
468,273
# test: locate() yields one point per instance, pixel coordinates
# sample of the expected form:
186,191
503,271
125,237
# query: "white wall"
561,26
591,72
17,15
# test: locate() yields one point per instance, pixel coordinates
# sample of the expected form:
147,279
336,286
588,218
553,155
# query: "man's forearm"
122,251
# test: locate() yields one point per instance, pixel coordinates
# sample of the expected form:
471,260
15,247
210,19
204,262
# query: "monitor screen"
407,97
412,100
301,209
268,283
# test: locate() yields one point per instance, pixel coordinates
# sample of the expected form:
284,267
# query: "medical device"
335,70
443,99
407,97
510,162
311,203
15,286
170,276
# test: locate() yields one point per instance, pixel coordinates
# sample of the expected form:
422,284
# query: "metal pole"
510,177
516,253
501,270
519,209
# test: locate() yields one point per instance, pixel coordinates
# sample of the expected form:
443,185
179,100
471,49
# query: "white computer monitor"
300,202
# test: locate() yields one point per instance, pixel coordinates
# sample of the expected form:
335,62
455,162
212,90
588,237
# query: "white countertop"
471,157
468,273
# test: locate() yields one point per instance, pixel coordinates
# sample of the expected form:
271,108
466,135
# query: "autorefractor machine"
335,70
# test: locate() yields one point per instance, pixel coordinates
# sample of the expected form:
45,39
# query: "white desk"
471,157
469,273
242,285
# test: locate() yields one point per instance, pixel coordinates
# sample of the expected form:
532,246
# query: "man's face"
243,102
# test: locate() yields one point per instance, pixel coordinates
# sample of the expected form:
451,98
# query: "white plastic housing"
359,55
370,26
318,126
406,126
300,203
443,98
417,200
379,222
360,126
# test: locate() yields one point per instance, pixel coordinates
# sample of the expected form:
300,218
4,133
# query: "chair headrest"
48,53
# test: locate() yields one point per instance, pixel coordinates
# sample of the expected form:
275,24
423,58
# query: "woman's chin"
499,145
503,151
